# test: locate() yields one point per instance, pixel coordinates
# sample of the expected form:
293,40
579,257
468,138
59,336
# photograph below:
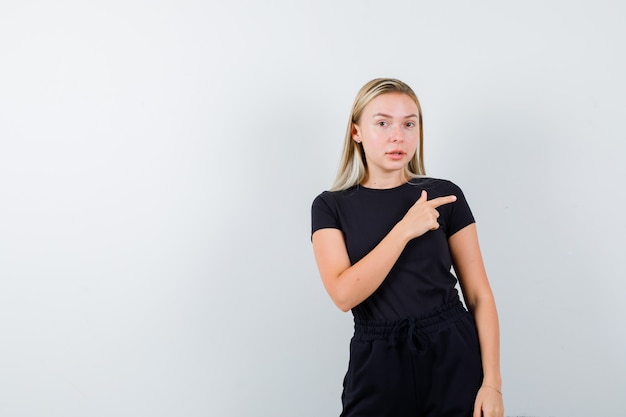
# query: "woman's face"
389,131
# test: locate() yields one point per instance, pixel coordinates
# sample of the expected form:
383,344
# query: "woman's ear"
356,133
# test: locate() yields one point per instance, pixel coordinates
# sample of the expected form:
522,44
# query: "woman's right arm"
349,285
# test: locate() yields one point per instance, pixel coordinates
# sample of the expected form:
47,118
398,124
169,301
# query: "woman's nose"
396,134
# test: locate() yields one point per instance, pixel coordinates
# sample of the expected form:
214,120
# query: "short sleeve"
324,213
460,213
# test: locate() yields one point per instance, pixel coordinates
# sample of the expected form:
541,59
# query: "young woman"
385,238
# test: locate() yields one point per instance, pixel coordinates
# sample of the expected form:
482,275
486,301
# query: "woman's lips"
396,154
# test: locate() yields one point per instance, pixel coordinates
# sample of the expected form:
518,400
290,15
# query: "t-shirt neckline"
383,189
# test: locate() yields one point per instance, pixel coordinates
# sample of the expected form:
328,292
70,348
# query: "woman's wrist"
495,382
492,378
402,232
499,391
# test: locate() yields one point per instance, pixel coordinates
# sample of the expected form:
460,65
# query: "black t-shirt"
421,279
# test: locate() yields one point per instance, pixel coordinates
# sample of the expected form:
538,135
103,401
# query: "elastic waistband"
425,324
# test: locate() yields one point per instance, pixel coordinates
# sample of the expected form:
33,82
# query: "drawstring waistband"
415,329
414,335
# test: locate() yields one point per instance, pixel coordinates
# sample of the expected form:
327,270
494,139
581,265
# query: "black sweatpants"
428,366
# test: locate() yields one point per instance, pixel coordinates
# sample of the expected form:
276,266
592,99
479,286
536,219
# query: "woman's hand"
423,215
488,403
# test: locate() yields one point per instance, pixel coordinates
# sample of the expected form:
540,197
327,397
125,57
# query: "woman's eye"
410,124
382,123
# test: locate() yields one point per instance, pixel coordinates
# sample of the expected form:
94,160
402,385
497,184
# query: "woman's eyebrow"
391,117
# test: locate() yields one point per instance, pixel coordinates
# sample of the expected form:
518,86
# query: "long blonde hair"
353,166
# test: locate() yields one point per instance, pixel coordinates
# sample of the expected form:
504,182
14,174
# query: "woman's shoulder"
439,185
329,195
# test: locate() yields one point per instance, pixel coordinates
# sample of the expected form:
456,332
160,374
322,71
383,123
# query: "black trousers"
427,366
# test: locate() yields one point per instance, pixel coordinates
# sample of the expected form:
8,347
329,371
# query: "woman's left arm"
470,269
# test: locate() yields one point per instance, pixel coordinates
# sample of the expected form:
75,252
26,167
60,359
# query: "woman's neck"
384,181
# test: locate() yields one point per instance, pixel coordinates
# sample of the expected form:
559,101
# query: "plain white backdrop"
158,160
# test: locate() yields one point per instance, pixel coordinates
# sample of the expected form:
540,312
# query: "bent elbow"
343,307
343,304
341,296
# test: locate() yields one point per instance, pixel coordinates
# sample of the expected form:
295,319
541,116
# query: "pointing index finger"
440,201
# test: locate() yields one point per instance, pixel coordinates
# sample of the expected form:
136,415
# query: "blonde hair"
353,166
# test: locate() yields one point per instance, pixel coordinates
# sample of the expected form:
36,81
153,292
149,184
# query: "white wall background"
158,160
